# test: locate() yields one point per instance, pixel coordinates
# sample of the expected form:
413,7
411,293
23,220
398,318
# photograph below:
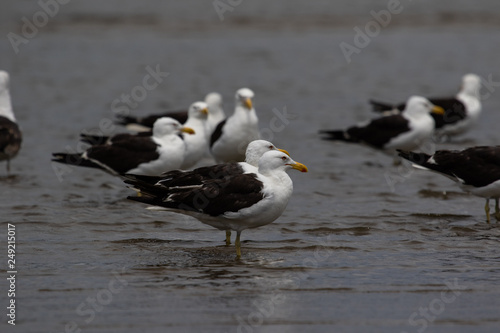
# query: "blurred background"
350,254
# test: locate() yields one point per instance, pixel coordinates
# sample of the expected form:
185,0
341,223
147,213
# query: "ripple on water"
355,231
346,242
14,179
150,241
444,195
451,217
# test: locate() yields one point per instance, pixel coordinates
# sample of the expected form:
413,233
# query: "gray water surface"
363,246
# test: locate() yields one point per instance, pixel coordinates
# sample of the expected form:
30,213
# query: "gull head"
198,110
213,100
471,84
418,106
257,148
244,98
277,160
168,126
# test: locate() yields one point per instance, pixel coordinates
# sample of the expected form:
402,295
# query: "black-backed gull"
10,134
144,155
236,202
461,111
231,137
406,131
197,144
199,176
476,170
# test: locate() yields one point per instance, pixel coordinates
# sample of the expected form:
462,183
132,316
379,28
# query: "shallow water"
363,245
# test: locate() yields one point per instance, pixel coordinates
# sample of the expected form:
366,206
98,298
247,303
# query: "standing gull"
236,202
407,130
10,134
197,144
197,177
216,113
197,122
461,111
476,170
232,136
150,155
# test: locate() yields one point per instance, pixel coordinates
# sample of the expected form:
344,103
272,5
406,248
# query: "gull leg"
396,161
237,243
497,210
487,210
228,237
8,166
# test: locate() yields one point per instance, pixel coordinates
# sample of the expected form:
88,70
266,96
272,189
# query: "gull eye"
271,147
283,158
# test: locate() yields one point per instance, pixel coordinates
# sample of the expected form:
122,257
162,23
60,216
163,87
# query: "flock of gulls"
407,126
200,163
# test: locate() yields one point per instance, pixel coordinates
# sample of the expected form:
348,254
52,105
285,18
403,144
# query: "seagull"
10,134
164,151
461,111
144,124
197,177
197,122
405,131
231,137
235,202
216,113
476,170
197,144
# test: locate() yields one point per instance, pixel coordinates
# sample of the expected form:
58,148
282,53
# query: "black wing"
125,155
75,159
200,175
217,132
214,197
10,137
189,178
379,131
476,166
102,139
148,121
454,111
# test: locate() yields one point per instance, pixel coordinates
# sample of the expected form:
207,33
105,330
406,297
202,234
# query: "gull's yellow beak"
299,166
283,151
248,103
187,130
204,111
437,110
